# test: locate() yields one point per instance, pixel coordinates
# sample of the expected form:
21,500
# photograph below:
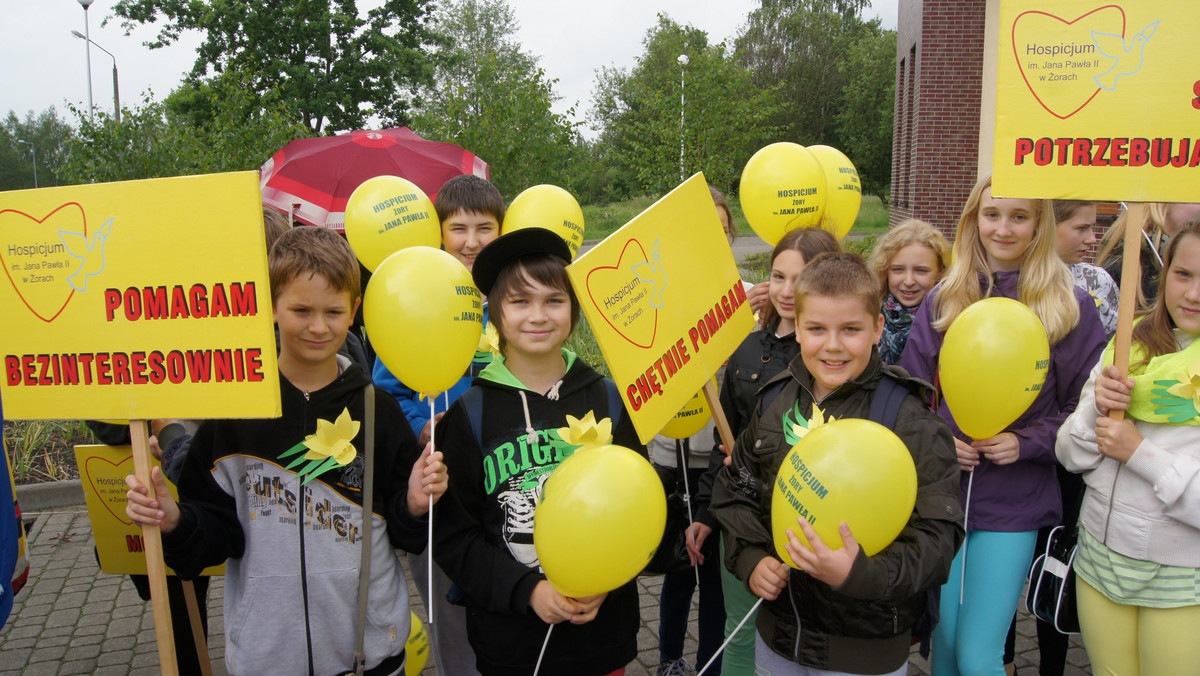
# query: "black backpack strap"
885,405
472,401
616,405
769,393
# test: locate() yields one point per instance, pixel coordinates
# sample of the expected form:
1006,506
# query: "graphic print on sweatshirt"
274,502
513,475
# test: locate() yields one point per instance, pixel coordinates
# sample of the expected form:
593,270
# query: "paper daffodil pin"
580,432
1179,399
330,446
795,427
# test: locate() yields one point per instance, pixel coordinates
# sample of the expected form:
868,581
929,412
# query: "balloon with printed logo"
690,419
386,214
424,316
416,648
843,195
782,188
851,470
550,207
600,519
992,365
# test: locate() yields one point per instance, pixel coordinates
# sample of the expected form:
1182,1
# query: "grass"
43,450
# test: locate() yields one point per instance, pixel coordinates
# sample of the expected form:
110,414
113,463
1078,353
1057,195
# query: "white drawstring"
532,435
552,395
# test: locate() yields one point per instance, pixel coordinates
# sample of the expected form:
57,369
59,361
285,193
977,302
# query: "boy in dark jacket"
293,549
845,611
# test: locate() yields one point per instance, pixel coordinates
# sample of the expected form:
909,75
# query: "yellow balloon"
850,470
416,648
386,214
992,365
844,191
690,419
424,317
550,207
601,517
782,188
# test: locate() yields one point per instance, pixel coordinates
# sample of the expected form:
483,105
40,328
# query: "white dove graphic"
1128,54
91,253
651,272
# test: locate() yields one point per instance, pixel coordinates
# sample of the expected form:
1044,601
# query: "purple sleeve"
920,357
1072,359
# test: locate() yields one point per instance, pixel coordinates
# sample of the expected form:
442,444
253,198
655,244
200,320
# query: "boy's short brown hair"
313,251
545,269
839,275
469,193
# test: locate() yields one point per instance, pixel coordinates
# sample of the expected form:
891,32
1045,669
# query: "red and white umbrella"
312,178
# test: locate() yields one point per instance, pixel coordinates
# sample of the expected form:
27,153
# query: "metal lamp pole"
33,150
116,86
683,62
87,36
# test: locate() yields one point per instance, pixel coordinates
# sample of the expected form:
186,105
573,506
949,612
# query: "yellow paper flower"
1189,384
586,431
332,439
816,420
489,340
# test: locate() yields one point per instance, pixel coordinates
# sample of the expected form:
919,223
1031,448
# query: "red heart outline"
87,467
9,274
1021,66
591,297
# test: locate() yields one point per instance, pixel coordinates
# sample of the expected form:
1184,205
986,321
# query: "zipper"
303,563
895,620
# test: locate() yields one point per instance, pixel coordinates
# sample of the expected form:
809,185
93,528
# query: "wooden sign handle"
155,567
718,414
1131,278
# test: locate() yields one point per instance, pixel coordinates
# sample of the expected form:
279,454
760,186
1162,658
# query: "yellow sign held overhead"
137,300
665,301
1094,101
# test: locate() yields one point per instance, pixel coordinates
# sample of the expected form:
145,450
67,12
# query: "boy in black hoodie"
500,444
294,549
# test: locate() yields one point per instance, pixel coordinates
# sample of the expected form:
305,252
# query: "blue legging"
969,639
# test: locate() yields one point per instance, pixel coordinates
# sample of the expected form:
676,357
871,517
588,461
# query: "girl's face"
536,321
727,225
1179,214
1077,234
1182,289
912,272
786,267
1006,227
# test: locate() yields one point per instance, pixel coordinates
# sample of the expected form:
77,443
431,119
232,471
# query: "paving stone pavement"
72,619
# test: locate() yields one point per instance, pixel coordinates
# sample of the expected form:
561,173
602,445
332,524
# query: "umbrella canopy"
312,178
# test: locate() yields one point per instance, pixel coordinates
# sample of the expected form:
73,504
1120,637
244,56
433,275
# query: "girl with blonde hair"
1003,248
909,260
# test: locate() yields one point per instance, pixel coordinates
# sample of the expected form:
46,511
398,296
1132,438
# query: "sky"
45,65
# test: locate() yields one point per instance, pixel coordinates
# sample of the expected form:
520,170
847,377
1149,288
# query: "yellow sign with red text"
137,300
1098,101
664,299
119,544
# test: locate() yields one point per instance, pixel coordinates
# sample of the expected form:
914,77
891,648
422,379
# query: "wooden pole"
1131,278
193,608
155,567
718,414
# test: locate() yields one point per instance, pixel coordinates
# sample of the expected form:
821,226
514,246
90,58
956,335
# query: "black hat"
513,245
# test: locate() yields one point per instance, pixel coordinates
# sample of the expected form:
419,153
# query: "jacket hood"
351,379
497,374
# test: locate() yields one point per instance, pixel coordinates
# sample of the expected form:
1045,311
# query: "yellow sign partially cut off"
137,300
664,299
119,544
1094,101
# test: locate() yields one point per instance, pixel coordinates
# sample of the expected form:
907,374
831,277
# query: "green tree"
726,116
864,122
47,134
156,139
332,67
490,97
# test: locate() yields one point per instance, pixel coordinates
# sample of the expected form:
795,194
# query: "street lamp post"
33,150
683,62
87,36
116,86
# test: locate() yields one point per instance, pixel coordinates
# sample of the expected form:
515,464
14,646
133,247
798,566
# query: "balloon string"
538,666
429,543
962,584
726,643
687,498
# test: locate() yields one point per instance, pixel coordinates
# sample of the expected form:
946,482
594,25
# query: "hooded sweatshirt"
483,526
1023,495
291,580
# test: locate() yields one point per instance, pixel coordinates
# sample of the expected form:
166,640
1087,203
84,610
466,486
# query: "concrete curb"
40,497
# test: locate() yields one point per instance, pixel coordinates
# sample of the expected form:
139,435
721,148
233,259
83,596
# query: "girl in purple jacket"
1003,247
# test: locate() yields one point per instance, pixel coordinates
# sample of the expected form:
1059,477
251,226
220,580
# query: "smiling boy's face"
836,334
465,233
